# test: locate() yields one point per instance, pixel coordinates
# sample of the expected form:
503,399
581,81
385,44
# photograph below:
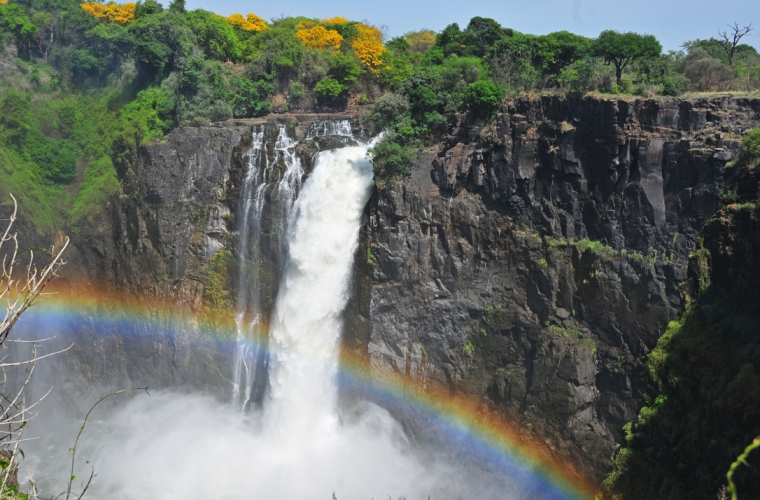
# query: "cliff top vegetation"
83,85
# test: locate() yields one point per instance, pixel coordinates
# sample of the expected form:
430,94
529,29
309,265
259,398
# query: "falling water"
306,324
276,181
329,127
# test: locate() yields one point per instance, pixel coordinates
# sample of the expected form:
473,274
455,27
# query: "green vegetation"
699,409
470,71
140,70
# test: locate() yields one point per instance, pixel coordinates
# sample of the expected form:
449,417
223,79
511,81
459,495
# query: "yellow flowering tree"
3,2
317,36
368,45
111,11
335,20
251,22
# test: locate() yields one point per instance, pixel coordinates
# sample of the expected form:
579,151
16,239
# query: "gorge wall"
533,263
529,263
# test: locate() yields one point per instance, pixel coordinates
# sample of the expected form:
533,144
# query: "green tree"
556,51
620,49
481,34
483,98
215,35
14,21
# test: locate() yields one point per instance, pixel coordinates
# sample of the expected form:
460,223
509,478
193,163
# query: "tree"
482,33
44,37
620,49
483,98
556,51
215,35
19,290
729,42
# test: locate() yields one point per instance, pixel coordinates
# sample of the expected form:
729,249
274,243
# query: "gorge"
528,267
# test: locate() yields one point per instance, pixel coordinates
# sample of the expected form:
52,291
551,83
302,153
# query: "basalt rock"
530,264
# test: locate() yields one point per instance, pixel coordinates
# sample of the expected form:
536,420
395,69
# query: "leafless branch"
730,40
19,290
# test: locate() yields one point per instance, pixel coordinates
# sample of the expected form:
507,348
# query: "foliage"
621,49
750,148
420,41
214,35
483,97
369,47
317,36
112,12
392,160
698,412
329,87
15,22
251,22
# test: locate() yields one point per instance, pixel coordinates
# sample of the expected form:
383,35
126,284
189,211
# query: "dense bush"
392,160
483,97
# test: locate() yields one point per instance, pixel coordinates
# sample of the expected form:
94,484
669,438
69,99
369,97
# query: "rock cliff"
531,263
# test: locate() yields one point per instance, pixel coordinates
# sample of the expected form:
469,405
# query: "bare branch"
730,40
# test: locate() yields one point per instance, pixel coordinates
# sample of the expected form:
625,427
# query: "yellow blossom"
319,37
369,48
335,20
112,12
252,22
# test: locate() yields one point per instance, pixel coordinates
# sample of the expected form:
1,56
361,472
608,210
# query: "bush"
750,147
706,72
389,109
57,160
483,98
675,85
329,87
391,160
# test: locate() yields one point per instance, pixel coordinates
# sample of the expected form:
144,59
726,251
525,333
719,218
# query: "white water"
250,360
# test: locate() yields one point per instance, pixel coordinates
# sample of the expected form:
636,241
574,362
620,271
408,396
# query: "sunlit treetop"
335,20
420,41
251,22
112,12
317,36
368,45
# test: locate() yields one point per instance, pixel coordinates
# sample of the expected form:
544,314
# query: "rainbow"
478,431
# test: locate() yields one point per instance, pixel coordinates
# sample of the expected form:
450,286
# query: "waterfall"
276,181
330,127
306,324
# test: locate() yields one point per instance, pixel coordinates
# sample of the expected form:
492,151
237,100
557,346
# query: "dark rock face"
532,266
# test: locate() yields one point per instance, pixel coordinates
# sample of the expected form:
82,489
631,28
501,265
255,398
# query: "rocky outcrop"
531,263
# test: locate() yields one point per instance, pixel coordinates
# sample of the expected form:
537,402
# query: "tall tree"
621,49
730,41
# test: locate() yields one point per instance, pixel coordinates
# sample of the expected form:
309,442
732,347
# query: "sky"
673,22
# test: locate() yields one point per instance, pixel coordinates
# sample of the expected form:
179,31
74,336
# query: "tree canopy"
620,49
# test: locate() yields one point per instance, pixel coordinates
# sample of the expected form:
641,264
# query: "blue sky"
671,21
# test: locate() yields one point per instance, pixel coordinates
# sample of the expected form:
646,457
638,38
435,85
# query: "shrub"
483,98
391,160
57,160
389,109
329,87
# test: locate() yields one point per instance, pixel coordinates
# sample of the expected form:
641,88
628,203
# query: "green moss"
218,281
